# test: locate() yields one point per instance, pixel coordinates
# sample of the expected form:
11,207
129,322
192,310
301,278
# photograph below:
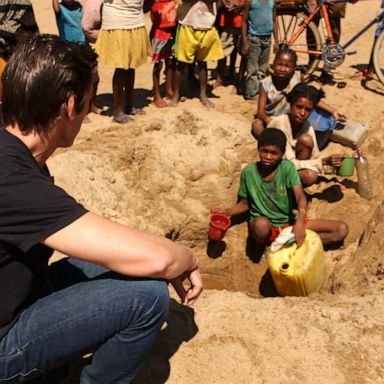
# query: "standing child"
68,18
302,148
197,39
274,89
230,17
256,31
163,16
269,189
123,44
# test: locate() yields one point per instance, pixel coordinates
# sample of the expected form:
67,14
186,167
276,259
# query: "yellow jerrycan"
298,271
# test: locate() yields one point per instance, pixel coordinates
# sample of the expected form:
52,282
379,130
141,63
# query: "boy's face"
300,110
270,155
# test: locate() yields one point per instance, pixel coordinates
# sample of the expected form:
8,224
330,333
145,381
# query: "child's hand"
299,231
218,210
334,160
245,49
339,116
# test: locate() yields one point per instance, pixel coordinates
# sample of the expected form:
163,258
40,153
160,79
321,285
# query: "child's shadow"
180,328
141,99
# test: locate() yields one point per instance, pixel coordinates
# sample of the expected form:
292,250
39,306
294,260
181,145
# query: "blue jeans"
87,309
257,63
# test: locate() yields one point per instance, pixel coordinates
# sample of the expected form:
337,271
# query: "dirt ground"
167,169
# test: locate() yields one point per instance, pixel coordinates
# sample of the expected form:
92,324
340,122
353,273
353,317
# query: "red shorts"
275,231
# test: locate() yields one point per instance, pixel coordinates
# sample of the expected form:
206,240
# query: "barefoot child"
163,16
230,17
302,148
268,190
197,40
273,90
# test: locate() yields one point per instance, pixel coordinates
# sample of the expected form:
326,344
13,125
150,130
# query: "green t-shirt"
270,198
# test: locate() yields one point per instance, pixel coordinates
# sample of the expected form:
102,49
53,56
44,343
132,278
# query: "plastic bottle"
364,186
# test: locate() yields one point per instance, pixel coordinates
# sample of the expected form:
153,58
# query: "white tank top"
122,14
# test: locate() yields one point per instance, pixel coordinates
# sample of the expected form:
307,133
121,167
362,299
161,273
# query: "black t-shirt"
31,209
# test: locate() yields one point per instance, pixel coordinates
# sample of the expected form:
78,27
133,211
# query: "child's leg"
118,83
129,84
330,231
304,148
203,79
252,77
265,44
157,99
180,66
170,66
260,228
221,64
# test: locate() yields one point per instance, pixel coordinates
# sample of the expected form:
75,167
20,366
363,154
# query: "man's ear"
71,107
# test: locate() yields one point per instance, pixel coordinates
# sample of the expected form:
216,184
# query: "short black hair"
39,78
272,136
305,90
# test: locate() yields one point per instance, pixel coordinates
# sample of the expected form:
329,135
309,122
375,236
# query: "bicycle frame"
322,7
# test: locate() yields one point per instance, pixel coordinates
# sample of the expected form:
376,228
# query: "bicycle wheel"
378,56
309,39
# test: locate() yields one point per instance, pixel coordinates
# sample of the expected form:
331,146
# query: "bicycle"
297,29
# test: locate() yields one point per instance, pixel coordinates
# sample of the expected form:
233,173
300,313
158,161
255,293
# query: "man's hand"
190,295
299,231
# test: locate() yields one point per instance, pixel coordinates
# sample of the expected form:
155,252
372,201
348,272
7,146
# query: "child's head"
303,99
284,64
271,146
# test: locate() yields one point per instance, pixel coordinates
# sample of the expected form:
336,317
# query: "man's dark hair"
39,78
304,90
272,136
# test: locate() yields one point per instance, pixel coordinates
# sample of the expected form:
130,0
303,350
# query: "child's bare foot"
218,83
169,95
122,118
174,101
206,102
161,103
95,109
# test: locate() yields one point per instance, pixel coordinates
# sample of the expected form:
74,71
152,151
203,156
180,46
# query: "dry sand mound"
165,171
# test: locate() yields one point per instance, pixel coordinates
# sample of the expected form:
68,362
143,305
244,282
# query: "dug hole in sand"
165,172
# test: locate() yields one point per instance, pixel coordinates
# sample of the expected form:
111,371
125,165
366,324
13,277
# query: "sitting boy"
268,190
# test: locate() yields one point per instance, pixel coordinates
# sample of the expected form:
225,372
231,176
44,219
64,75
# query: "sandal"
122,118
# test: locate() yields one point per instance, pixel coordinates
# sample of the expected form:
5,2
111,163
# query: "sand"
166,170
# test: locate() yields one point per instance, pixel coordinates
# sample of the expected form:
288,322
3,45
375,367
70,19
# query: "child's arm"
299,227
244,28
261,104
56,6
241,207
336,115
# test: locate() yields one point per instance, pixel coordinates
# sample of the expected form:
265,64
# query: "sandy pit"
165,171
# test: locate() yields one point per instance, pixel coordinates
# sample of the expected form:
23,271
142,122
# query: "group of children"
184,35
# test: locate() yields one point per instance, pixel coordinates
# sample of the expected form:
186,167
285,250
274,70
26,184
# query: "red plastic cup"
218,226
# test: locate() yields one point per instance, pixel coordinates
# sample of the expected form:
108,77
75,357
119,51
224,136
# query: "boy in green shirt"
268,190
